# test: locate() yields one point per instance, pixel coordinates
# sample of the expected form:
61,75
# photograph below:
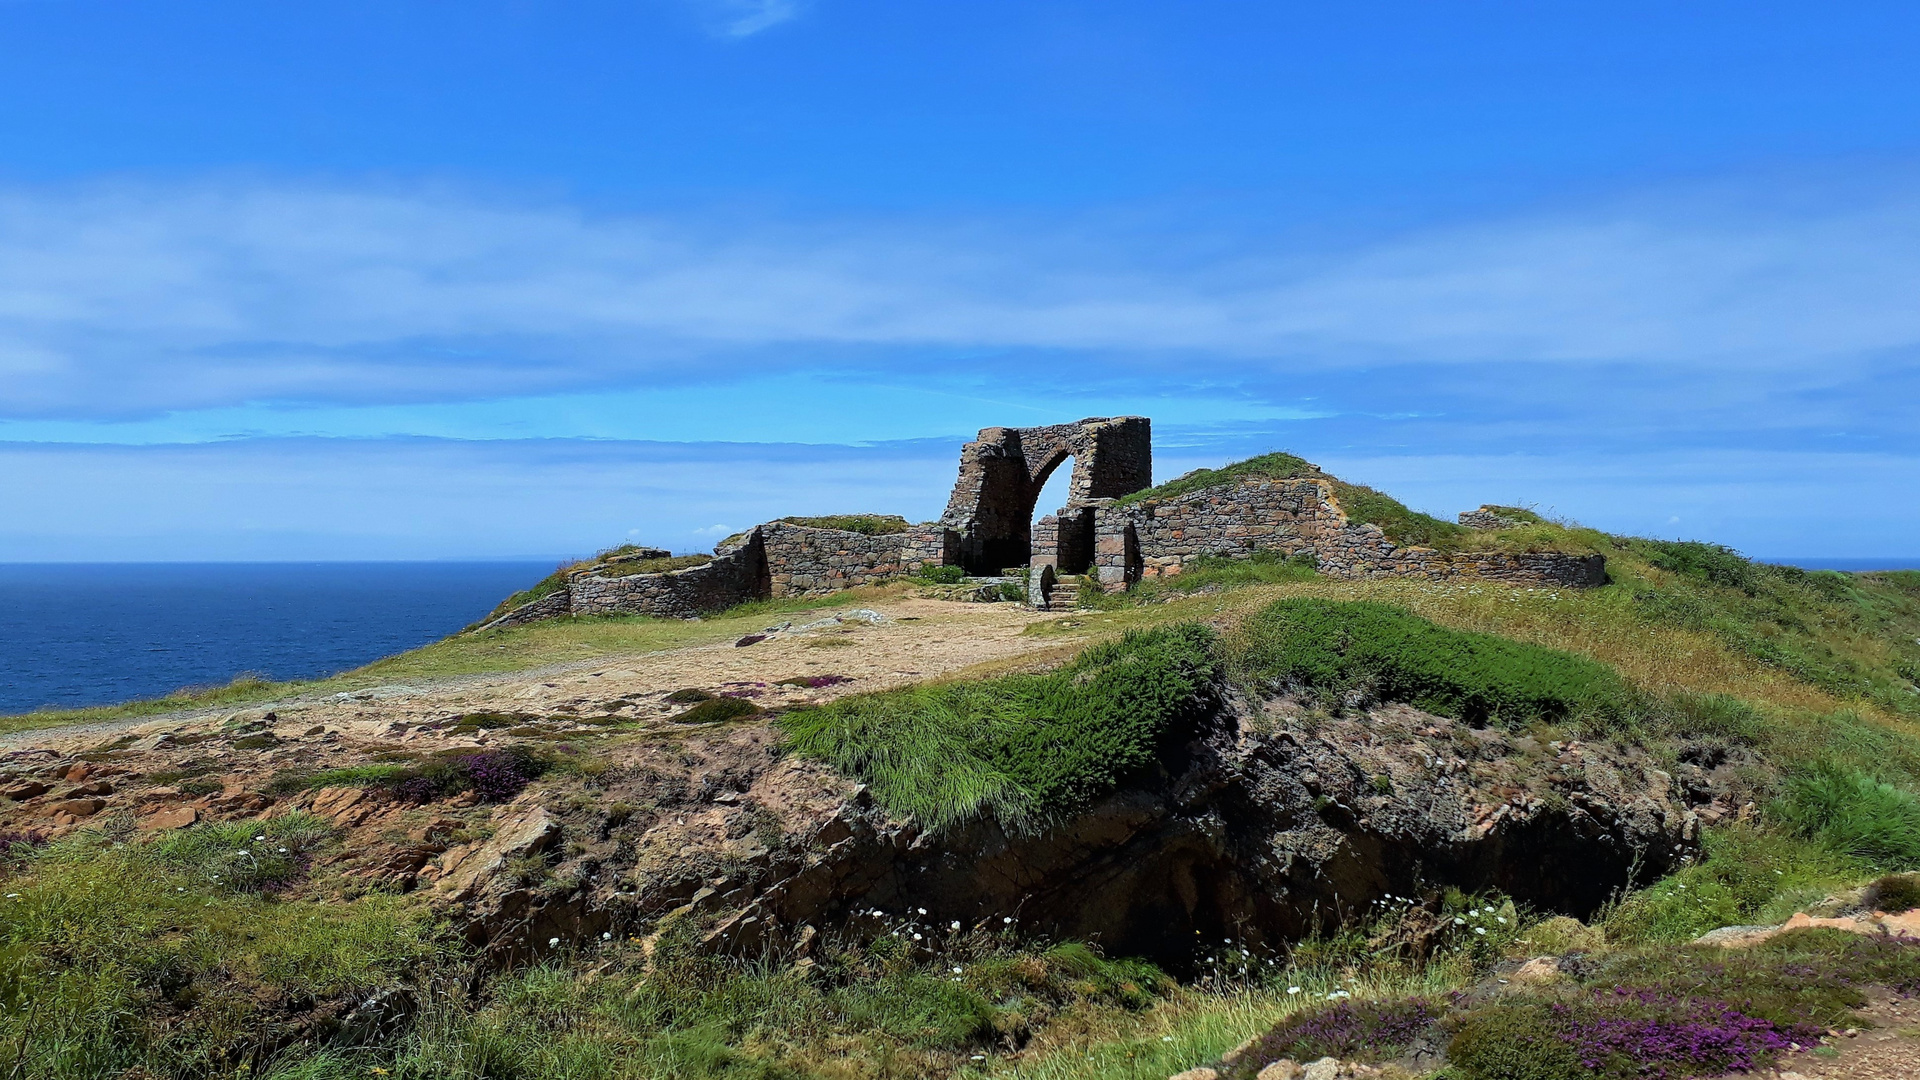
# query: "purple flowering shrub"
1370,1030
1653,1033
1618,1035
493,775
1807,976
497,775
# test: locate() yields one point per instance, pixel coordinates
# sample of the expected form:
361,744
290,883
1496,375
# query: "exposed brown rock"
78,808
176,817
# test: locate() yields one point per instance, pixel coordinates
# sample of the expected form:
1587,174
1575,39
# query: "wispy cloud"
138,299
744,18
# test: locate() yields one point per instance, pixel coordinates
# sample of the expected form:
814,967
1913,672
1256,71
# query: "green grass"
888,1007
244,856
631,567
290,781
1852,635
1206,572
864,524
122,956
1024,749
1744,876
1332,651
1853,814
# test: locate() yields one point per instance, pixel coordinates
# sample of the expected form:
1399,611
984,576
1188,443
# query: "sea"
73,635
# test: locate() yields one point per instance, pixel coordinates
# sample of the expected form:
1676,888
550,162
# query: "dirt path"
890,643
1889,1050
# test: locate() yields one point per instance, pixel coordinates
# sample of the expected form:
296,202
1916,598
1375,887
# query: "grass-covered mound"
1025,749
1362,504
864,524
1332,650
631,567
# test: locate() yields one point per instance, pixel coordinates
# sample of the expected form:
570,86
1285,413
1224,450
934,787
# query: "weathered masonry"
1002,472
988,527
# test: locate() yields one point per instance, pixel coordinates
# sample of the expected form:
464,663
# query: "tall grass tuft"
1334,650
1022,749
1853,813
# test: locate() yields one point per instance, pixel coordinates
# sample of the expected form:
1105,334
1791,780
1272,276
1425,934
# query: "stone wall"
1487,517
805,561
551,606
733,578
1294,517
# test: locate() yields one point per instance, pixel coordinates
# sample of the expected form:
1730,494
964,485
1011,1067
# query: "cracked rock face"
1265,826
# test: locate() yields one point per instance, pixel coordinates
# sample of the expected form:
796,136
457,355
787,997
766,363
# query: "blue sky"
433,280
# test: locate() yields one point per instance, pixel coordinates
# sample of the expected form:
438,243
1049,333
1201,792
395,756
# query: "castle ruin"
989,529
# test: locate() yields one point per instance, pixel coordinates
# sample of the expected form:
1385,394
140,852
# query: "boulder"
25,789
173,817
1284,1069
464,870
77,807
1540,969
1327,1068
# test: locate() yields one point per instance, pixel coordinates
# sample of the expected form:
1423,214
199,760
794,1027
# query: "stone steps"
1064,596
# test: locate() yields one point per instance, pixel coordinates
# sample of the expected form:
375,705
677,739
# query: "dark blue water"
1851,565
74,635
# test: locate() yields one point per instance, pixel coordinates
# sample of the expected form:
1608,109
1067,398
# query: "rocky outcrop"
1264,826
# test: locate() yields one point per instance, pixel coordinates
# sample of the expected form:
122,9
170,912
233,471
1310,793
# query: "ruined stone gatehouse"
1003,471
989,529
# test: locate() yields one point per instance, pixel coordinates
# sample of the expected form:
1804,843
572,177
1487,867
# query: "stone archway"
1002,472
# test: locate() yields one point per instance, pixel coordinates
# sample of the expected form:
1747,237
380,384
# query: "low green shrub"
1894,892
1855,814
864,524
1331,649
494,775
1024,749
940,575
289,781
1512,1042
717,710
1711,563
